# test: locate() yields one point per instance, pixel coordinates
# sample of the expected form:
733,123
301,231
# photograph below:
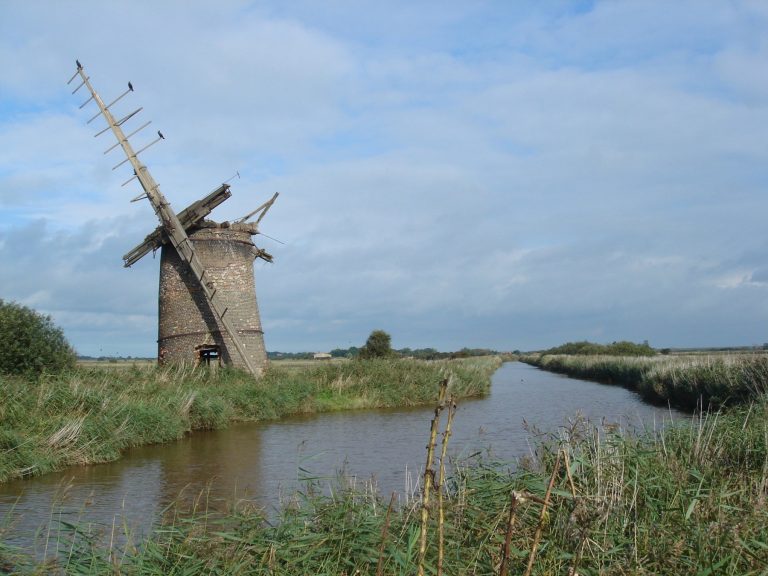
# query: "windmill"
207,297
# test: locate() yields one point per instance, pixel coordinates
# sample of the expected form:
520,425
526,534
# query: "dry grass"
685,381
92,415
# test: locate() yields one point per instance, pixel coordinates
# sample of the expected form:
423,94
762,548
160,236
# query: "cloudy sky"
502,174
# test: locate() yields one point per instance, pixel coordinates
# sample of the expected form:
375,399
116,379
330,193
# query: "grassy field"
689,500
685,381
110,364
92,414
121,363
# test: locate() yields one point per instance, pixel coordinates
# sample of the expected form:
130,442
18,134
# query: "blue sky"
509,175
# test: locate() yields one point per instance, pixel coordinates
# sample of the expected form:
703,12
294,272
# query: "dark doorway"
209,355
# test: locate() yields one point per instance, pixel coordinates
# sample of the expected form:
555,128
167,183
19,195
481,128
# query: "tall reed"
686,382
91,415
688,500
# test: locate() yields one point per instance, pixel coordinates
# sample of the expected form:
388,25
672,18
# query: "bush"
378,345
585,348
30,342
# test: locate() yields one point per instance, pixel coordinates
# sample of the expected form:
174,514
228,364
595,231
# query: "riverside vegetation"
687,499
81,416
685,381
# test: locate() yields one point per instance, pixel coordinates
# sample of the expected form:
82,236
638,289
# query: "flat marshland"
91,414
687,499
685,381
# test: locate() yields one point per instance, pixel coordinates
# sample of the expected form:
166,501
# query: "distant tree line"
378,345
622,348
418,353
116,358
290,355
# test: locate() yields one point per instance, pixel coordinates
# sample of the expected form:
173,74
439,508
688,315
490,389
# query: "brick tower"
208,311
188,330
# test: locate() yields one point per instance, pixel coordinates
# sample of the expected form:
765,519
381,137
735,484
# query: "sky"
507,175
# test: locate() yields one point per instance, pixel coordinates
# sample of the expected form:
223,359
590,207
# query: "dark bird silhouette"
130,86
79,66
160,134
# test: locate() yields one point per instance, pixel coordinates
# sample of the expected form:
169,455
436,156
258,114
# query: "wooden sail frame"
169,220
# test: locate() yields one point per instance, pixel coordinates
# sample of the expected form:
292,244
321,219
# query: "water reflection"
262,461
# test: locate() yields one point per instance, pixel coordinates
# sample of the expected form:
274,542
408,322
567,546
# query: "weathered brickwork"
187,322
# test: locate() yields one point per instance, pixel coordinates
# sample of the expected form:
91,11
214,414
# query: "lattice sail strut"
170,222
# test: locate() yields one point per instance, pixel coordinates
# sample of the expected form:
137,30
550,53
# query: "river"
265,462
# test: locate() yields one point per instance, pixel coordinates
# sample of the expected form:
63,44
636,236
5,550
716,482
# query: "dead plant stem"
542,517
513,500
429,476
384,531
441,487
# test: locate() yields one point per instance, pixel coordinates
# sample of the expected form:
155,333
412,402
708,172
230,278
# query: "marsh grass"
92,415
687,382
689,499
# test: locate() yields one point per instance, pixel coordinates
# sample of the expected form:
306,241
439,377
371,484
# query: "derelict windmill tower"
207,297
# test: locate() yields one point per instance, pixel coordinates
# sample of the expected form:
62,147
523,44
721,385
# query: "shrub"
30,342
585,348
378,345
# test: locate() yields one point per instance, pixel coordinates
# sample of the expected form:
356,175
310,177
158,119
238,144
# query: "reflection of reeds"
685,381
91,415
692,499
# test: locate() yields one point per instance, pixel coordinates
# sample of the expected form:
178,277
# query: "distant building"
322,356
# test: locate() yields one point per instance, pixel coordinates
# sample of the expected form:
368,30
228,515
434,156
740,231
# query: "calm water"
264,461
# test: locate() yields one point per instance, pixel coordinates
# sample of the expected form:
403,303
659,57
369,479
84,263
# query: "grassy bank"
91,415
686,382
689,500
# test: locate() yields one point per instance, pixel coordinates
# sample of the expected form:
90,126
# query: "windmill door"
208,355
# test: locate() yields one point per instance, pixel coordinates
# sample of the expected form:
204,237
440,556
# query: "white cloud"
497,175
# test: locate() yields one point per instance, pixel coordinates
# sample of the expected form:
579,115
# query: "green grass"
92,415
686,382
689,500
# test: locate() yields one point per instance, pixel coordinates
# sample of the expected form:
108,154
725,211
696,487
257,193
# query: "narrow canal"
267,461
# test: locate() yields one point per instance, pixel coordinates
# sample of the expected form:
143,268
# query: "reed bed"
686,382
688,500
91,415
